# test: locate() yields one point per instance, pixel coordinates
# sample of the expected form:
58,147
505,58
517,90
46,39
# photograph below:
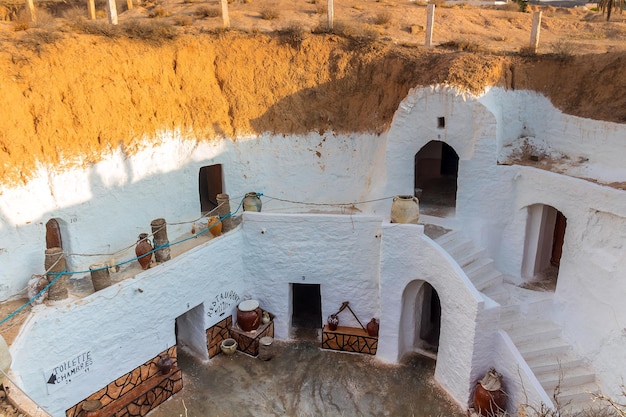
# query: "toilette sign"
222,303
67,371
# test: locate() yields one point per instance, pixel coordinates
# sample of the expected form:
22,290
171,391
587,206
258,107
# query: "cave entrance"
210,184
435,178
543,246
420,321
306,306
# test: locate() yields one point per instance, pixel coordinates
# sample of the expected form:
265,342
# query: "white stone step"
498,293
471,256
450,236
566,378
552,347
554,364
479,266
577,397
531,332
488,279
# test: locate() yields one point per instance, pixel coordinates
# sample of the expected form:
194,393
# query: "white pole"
430,22
112,11
534,33
331,14
225,17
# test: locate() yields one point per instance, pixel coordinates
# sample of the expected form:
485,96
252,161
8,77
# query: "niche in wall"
191,334
210,184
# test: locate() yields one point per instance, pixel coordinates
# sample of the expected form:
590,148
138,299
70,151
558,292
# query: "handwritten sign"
67,371
222,303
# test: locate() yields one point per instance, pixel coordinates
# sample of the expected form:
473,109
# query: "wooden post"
223,209
54,263
430,22
129,4
159,230
225,17
91,7
331,14
534,33
100,276
112,12
30,6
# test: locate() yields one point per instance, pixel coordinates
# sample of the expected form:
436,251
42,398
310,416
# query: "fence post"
331,14
430,22
55,263
223,209
225,17
534,33
129,4
30,6
112,11
159,231
91,7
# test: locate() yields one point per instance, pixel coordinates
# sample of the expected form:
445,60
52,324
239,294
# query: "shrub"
563,49
293,34
382,18
463,45
270,13
151,31
158,11
205,11
183,20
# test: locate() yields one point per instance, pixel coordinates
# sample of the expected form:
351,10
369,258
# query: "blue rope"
156,248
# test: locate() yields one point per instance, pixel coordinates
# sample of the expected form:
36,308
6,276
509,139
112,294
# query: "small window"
441,122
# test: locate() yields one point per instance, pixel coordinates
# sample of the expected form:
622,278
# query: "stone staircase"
523,315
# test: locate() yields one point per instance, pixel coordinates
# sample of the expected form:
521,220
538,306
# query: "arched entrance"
420,321
210,184
435,178
543,247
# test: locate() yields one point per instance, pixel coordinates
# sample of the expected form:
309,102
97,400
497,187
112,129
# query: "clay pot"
252,202
372,328
405,209
91,408
265,317
228,346
165,364
215,226
333,322
142,250
489,398
248,315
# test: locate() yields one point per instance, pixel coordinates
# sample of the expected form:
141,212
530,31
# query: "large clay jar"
142,250
405,209
215,226
489,398
248,315
252,202
372,328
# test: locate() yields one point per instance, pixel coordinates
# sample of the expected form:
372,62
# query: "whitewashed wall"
124,325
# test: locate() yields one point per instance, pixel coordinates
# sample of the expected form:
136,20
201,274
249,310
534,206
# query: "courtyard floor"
303,380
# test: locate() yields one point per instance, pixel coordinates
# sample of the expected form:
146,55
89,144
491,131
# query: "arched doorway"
543,246
420,321
435,178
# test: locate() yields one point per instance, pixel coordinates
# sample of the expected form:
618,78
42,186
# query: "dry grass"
270,13
206,11
158,11
382,18
293,34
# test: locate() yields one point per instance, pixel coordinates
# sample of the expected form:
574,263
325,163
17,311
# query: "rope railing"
168,244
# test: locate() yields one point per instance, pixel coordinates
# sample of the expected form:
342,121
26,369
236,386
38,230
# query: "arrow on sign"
53,379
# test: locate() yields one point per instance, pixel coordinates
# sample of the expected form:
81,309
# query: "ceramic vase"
91,408
489,398
248,315
333,322
165,364
372,328
252,202
405,209
142,250
228,346
215,226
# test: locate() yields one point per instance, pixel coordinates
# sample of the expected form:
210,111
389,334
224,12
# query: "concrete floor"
304,380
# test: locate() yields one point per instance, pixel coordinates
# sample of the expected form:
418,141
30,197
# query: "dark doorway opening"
435,178
430,321
307,306
210,184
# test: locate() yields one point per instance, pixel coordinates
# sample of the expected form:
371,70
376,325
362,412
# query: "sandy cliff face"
71,101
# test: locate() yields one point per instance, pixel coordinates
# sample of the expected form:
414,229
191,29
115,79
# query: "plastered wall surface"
104,207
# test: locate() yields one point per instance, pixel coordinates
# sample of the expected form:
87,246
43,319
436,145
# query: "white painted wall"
103,208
